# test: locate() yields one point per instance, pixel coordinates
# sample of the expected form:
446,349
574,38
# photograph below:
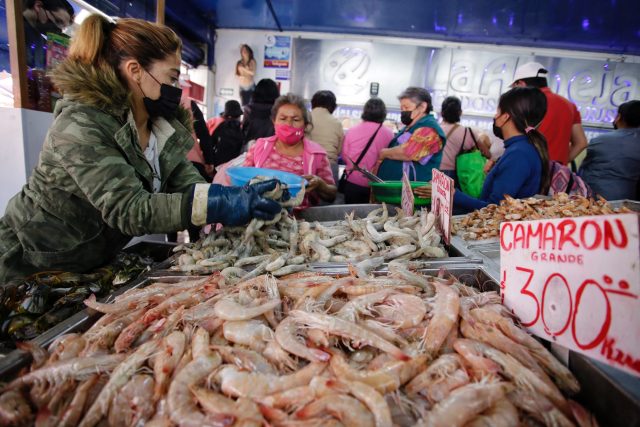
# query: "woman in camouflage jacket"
113,164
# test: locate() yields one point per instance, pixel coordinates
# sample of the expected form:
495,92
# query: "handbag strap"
462,143
366,148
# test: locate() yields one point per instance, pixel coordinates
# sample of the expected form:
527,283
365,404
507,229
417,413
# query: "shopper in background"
113,164
227,138
523,170
289,151
612,165
459,138
246,71
417,148
373,133
42,17
327,130
562,126
257,121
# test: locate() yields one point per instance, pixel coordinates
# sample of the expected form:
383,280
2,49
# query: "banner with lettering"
575,282
442,202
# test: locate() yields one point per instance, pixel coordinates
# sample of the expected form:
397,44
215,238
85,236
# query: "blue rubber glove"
213,203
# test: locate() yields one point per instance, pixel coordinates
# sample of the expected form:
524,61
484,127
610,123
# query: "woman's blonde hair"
105,44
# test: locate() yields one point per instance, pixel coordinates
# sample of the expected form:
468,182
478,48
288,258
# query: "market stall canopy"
607,26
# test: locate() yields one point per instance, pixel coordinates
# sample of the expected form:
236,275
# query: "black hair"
538,82
630,113
418,95
266,92
451,109
325,99
374,111
526,107
52,5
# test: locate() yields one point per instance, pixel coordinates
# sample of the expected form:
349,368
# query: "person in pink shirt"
289,151
356,189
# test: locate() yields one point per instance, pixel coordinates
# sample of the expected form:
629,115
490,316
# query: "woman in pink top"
357,187
289,151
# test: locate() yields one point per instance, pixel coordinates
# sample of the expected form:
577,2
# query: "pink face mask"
288,134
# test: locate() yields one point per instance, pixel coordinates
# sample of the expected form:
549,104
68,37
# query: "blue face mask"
167,104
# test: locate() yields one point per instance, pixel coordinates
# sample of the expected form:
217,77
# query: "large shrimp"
14,409
66,347
119,377
519,374
362,305
401,310
291,399
166,360
370,397
463,404
134,402
252,333
235,382
445,315
501,414
286,335
345,329
229,309
386,379
73,412
557,371
245,359
441,377
539,407
279,356
182,407
243,411
78,369
348,410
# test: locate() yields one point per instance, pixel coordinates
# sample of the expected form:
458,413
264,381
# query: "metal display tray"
634,205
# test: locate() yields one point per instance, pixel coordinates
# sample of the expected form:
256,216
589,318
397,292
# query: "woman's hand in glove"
213,203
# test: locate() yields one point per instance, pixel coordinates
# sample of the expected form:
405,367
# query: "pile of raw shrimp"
302,350
283,246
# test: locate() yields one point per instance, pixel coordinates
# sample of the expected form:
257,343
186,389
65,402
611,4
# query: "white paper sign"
442,202
576,282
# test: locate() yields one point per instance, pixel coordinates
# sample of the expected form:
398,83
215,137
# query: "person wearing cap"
227,138
562,125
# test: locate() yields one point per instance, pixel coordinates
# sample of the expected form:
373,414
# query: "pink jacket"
311,157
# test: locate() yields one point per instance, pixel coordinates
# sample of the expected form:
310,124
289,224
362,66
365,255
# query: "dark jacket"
257,122
518,174
227,141
92,188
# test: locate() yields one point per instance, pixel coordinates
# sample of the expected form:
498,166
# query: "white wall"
23,133
227,53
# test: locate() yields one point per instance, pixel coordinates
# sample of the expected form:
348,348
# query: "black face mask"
497,131
167,104
405,117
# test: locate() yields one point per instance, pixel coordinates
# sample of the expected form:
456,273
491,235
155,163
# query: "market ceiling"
606,25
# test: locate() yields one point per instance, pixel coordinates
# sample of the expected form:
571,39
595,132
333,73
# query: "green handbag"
470,167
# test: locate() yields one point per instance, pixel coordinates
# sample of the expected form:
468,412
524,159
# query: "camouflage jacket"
92,188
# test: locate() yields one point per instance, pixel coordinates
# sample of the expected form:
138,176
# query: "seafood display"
31,306
304,349
282,246
485,223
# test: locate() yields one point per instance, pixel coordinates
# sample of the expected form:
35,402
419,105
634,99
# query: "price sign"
576,281
442,202
407,197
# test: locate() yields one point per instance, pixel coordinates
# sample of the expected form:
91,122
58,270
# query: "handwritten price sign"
442,202
576,281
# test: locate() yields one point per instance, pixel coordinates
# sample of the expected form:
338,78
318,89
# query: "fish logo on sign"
347,69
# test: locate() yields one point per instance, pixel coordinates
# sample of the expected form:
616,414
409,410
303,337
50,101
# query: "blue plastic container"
240,175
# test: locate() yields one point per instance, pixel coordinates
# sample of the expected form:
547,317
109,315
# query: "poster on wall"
277,52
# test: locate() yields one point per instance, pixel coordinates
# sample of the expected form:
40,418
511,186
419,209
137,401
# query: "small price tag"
575,282
442,202
407,197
